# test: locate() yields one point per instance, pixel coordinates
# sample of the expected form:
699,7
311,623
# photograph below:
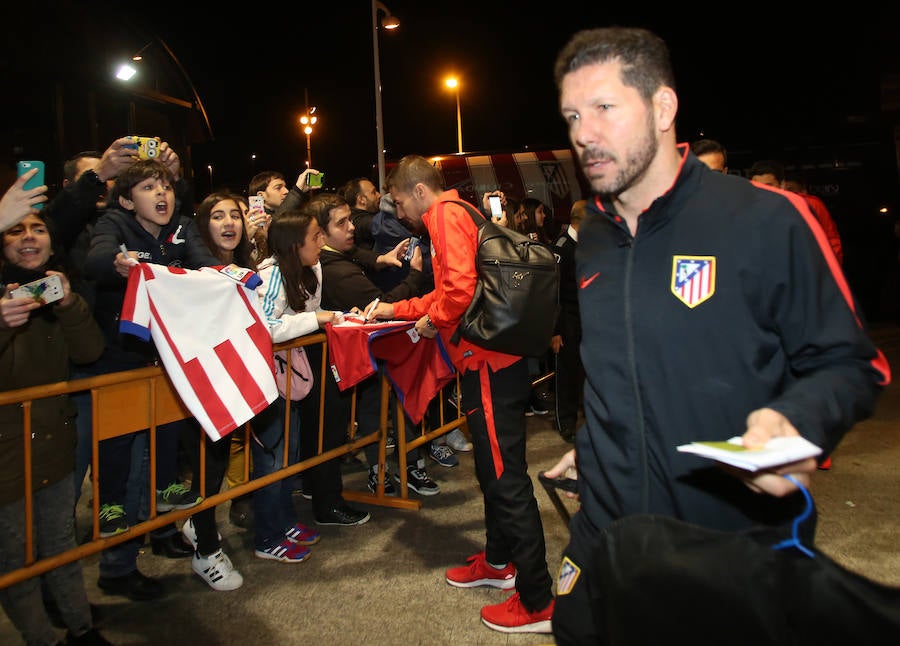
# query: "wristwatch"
429,323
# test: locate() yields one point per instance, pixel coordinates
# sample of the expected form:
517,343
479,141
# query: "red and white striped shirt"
211,336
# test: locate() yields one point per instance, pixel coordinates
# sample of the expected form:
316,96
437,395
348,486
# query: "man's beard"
637,160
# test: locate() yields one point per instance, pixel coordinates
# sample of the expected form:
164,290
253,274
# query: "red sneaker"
510,616
480,572
826,464
302,535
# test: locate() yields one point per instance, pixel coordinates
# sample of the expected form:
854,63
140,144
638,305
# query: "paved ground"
382,583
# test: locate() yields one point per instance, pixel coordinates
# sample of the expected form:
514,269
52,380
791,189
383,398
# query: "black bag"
516,299
665,581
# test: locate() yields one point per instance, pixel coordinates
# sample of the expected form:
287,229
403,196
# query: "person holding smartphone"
18,201
37,343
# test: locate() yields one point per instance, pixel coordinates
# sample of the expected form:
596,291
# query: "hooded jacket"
178,245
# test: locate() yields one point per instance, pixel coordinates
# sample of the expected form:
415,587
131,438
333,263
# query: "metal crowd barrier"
134,400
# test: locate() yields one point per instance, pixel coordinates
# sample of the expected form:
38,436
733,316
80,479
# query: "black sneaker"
176,496
112,520
133,585
418,481
343,515
389,489
90,638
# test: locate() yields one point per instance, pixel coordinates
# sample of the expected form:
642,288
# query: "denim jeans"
273,506
54,532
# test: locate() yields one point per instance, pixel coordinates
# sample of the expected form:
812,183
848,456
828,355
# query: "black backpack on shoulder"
516,299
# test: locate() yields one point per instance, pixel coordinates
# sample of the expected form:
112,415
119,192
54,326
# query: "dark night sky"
754,82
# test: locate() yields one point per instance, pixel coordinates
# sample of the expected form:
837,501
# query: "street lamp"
127,71
390,23
210,178
453,83
308,120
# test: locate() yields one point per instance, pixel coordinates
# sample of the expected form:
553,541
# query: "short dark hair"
70,167
135,174
766,167
707,146
646,62
412,170
260,181
321,206
352,189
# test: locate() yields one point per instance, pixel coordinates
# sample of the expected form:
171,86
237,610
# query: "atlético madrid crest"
693,279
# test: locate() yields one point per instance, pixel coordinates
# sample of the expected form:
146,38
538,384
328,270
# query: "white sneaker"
217,570
190,534
457,441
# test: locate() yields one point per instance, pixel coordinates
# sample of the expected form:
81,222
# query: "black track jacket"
728,299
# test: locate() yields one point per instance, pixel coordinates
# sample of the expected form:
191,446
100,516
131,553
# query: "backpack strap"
479,220
474,213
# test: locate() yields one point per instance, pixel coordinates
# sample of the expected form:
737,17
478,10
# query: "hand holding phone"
496,206
413,243
314,180
48,289
37,180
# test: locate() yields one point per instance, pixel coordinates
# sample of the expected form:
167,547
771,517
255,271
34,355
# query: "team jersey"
417,367
210,334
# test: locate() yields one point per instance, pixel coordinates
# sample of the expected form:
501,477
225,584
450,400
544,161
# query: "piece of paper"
778,451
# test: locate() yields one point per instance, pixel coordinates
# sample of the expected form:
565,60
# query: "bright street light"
453,83
126,71
308,120
390,23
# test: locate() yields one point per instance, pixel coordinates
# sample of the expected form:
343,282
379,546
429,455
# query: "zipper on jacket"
635,382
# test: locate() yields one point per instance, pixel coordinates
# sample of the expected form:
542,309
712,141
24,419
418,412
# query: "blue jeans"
54,532
273,506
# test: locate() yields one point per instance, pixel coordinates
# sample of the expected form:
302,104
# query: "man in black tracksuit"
711,307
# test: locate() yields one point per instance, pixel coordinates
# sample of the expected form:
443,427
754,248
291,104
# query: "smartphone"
314,180
566,484
413,243
257,202
48,289
496,207
147,147
23,167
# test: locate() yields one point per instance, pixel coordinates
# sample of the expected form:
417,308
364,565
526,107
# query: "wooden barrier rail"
134,400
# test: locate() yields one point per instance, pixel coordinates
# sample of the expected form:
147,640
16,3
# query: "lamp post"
126,71
453,83
390,23
209,166
308,120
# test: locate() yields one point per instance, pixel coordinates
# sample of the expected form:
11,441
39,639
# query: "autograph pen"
371,309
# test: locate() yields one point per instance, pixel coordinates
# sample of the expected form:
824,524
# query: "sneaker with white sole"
176,496
287,551
217,570
418,481
302,535
443,455
511,616
112,520
190,532
389,489
457,441
479,572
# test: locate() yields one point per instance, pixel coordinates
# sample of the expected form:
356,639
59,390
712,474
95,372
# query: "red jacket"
817,206
454,238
